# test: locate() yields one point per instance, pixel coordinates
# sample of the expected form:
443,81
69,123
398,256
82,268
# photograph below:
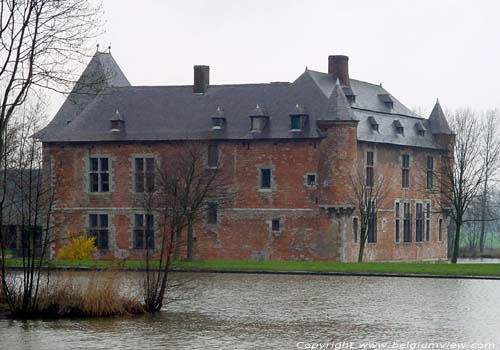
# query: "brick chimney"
201,79
338,65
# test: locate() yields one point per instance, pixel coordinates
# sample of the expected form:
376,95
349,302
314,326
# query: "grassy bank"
240,265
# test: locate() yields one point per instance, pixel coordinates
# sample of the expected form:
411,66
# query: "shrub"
77,248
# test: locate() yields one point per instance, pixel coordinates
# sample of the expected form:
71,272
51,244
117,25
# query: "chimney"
201,79
338,65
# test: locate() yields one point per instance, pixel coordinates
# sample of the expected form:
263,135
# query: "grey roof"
102,72
339,107
299,110
219,113
439,124
161,113
258,111
117,116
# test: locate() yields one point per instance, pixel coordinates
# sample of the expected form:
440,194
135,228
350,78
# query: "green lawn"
240,265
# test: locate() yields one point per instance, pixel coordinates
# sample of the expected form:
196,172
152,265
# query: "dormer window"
218,123
258,124
298,118
387,100
295,123
420,129
117,123
399,127
351,97
258,120
218,120
373,123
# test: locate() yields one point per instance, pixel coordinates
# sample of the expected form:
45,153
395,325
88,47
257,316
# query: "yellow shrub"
77,248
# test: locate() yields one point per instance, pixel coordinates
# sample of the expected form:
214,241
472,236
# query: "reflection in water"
228,311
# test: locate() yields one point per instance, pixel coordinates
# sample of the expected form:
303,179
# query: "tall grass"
98,297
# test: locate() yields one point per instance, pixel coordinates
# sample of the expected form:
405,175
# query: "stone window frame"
211,204
371,167
306,180
135,228
280,225
421,203
375,234
355,233
407,204
440,222
397,221
86,182
405,171
427,221
110,228
272,186
133,171
217,146
429,172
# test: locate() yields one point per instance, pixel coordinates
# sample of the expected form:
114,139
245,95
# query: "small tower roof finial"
109,48
97,47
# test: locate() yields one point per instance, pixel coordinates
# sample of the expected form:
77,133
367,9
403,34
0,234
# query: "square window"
311,180
265,178
275,224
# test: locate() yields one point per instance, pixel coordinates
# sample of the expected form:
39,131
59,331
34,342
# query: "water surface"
242,311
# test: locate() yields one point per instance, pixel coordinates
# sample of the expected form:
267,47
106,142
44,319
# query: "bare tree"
369,191
40,42
461,179
185,186
26,204
490,157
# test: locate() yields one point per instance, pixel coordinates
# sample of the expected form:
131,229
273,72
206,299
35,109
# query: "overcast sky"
419,50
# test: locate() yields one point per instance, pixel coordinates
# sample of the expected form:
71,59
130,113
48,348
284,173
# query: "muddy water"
232,311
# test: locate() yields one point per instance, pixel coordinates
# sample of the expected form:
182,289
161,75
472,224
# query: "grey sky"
420,50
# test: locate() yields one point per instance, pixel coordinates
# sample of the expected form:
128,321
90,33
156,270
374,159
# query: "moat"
233,311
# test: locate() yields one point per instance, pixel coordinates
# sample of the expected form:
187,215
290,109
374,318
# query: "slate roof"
439,124
162,113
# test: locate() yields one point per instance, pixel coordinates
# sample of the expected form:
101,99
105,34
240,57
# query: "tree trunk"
362,240
483,215
177,246
190,240
456,245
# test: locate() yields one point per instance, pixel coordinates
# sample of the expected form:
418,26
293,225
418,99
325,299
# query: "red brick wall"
244,228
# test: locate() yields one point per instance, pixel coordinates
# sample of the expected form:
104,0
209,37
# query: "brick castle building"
290,150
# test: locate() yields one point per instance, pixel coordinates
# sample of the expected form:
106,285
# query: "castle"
290,149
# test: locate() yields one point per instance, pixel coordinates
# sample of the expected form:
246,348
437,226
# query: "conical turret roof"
438,122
